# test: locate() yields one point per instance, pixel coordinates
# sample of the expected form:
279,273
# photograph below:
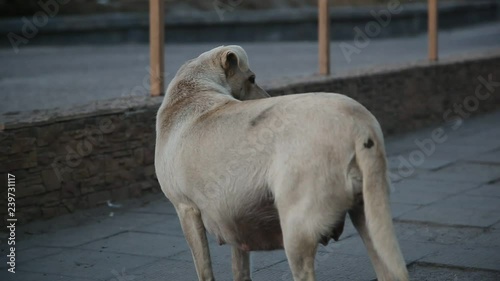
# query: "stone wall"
417,95
85,156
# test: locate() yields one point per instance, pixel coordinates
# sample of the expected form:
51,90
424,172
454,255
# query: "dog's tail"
370,156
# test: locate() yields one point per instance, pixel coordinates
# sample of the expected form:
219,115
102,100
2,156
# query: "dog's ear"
229,62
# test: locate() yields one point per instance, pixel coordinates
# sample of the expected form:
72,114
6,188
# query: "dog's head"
227,67
238,76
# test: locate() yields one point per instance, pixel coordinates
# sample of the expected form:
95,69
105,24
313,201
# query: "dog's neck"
184,88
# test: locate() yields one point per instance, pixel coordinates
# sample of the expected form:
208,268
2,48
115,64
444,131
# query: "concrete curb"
240,25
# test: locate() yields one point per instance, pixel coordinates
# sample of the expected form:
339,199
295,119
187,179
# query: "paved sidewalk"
62,76
446,208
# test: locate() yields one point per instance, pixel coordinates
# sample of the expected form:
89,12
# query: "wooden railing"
157,40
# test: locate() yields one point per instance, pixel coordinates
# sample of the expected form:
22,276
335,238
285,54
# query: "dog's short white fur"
270,173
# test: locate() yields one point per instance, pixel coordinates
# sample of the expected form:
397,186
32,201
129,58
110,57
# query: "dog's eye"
251,79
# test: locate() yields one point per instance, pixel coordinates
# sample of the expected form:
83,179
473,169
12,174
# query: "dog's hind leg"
357,216
194,231
240,264
300,248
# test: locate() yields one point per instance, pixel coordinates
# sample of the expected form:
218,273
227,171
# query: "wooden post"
324,37
156,46
433,29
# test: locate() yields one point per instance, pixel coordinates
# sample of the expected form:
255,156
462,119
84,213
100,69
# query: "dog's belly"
258,229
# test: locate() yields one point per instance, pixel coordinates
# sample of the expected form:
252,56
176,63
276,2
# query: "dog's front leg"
241,264
196,236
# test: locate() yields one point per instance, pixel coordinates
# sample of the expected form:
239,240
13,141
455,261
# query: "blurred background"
66,53
78,114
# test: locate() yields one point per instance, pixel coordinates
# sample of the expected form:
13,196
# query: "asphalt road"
61,76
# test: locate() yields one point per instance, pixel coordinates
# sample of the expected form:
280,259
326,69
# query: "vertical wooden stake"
433,29
324,37
156,46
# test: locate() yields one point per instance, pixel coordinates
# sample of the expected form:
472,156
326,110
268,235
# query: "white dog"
274,173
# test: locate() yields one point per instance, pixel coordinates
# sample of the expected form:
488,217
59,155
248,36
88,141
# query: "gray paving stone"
435,234
137,243
162,206
221,257
26,255
71,237
496,225
399,209
431,186
486,137
468,257
416,197
457,216
328,267
30,276
432,156
471,202
262,260
465,172
486,239
428,272
165,269
487,158
428,163
492,190
159,270
86,264
412,250
170,226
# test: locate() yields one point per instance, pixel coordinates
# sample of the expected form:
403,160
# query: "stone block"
149,171
27,214
20,161
20,145
80,173
48,134
99,198
139,155
70,204
86,189
30,179
30,190
50,180
27,201
70,190
118,194
149,156
51,197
